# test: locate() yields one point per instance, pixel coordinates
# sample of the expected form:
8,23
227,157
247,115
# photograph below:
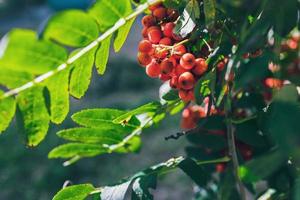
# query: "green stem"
232,146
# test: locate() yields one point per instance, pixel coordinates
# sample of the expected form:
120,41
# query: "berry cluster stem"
121,22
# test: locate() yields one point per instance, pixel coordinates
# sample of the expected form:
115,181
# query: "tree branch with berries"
231,69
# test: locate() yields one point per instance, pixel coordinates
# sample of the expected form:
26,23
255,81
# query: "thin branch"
232,146
121,22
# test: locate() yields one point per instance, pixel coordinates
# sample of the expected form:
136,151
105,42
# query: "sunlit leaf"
72,28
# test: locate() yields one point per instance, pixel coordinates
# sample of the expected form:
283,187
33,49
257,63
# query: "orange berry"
145,46
155,6
148,21
166,66
174,82
168,29
160,13
200,66
187,61
186,95
273,83
153,69
179,70
144,59
154,35
166,41
186,81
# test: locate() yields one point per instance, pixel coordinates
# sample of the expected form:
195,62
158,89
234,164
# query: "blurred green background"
27,174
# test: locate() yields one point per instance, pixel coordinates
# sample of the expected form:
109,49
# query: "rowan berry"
144,59
187,61
155,6
160,13
186,81
174,82
145,46
200,66
148,21
186,95
166,66
179,70
166,41
153,69
273,83
172,14
168,29
154,35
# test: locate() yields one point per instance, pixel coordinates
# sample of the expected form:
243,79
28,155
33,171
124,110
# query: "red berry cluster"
164,54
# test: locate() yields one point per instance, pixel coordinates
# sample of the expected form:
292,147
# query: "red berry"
168,29
144,59
179,50
179,70
172,14
164,77
161,54
173,60
187,61
160,13
186,95
177,37
174,82
145,32
154,35
200,66
273,83
166,66
153,69
166,41
186,81
145,46
148,21
220,167
155,6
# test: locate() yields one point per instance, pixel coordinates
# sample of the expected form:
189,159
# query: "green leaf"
34,114
73,28
133,145
194,171
116,192
282,121
262,166
71,150
24,52
81,74
7,112
296,190
103,117
75,192
13,79
148,108
101,135
122,35
172,95
102,55
210,12
205,87
58,86
141,186
253,71
107,13
188,20
248,132
208,140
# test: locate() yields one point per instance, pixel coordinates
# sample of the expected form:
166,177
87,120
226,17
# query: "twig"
121,22
232,146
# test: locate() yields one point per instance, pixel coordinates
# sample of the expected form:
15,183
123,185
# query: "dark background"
27,174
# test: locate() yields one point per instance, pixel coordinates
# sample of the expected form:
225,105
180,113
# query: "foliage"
246,103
